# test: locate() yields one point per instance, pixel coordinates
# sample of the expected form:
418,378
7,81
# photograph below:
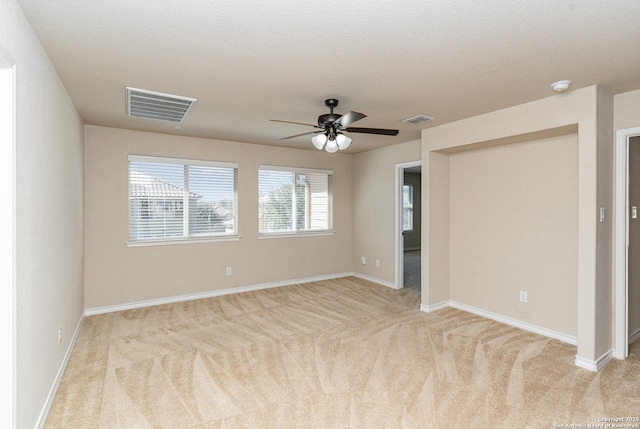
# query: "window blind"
172,199
293,200
407,207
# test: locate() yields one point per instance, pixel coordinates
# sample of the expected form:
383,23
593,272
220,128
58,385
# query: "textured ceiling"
250,61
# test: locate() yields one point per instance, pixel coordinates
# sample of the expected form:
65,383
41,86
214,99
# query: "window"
407,207
294,200
173,199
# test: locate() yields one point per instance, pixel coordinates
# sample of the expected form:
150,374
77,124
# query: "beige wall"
117,274
374,208
436,272
514,227
412,238
49,216
591,110
604,238
626,110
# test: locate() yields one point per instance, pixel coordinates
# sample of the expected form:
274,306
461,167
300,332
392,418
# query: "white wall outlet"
523,296
228,271
377,263
363,260
59,334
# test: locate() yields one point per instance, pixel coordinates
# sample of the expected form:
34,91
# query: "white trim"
634,337
42,418
594,365
517,323
300,170
376,280
621,239
398,205
303,233
209,294
502,319
435,307
182,161
186,240
8,311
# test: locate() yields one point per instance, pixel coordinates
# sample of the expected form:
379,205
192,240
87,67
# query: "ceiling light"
561,85
332,145
331,141
343,141
319,141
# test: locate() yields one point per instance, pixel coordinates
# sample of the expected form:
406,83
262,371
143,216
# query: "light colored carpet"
335,354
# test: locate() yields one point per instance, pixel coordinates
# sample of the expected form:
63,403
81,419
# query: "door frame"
8,245
399,237
621,249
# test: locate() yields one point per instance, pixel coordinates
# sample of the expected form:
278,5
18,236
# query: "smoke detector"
561,85
156,105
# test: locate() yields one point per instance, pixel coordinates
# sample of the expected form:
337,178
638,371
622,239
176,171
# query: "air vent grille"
418,119
155,105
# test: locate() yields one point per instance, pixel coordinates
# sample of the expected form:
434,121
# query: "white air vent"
418,119
155,105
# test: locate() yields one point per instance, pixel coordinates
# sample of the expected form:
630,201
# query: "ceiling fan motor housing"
328,119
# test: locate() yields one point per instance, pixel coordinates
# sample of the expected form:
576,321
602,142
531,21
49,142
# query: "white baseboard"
634,337
209,294
517,323
502,319
594,365
434,307
375,280
42,418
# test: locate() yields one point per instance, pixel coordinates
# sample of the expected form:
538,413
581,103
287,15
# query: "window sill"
189,240
295,234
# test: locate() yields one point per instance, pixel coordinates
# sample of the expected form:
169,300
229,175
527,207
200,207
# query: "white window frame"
186,238
305,232
410,208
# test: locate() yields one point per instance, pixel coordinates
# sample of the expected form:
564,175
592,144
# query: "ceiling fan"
332,126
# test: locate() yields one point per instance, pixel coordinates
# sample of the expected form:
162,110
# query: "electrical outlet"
377,263
363,260
523,296
59,334
228,271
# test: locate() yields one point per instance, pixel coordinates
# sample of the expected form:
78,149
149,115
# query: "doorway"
627,241
633,253
408,225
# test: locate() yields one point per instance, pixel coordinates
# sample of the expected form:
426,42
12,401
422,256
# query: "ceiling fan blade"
290,122
381,131
349,118
303,134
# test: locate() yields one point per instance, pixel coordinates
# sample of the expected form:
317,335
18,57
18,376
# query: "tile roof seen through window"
144,186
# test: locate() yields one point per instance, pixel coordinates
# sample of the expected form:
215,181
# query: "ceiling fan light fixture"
319,141
332,139
332,146
343,141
